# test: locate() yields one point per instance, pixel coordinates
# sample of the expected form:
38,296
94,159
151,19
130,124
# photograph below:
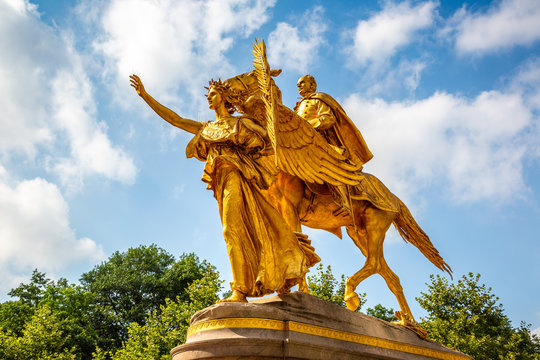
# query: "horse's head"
247,83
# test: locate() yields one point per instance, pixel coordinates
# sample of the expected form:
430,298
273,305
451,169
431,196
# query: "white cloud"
527,83
35,230
173,44
22,6
382,35
387,81
508,23
536,331
297,47
47,99
48,123
475,145
24,88
91,150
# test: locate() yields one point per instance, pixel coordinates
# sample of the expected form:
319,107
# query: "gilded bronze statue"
273,169
265,254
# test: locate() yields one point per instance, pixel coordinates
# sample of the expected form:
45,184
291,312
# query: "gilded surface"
273,169
271,324
264,252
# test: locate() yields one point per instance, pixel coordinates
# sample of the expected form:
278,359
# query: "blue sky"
446,94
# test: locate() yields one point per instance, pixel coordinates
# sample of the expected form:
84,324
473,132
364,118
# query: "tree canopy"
468,317
132,284
138,303
135,289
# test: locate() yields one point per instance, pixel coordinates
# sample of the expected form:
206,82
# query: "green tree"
58,320
166,328
14,314
42,338
132,284
381,312
466,316
47,316
325,286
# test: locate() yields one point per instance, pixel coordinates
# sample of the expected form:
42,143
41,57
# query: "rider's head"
306,85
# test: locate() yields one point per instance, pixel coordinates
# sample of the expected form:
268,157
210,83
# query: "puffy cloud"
91,150
527,83
508,23
48,123
388,81
47,99
176,44
29,54
476,145
297,47
35,230
380,37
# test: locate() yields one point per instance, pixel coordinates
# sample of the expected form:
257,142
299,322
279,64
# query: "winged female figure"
265,254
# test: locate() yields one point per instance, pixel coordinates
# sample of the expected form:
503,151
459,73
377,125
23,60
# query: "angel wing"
299,149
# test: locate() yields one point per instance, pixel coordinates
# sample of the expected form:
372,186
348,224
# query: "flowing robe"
328,117
265,254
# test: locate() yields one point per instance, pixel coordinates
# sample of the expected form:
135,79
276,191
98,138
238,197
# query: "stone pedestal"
300,326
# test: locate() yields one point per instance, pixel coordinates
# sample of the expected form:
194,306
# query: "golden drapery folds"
265,255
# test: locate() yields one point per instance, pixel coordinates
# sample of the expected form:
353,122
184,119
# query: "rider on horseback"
330,120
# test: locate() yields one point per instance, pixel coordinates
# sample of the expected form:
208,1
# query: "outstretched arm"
170,116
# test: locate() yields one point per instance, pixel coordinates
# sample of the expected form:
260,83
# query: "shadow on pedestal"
300,326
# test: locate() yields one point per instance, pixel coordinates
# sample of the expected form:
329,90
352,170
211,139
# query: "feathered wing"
299,149
262,70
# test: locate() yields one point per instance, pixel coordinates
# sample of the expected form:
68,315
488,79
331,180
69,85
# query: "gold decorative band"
270,324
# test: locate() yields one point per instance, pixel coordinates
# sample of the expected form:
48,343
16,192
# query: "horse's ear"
275,72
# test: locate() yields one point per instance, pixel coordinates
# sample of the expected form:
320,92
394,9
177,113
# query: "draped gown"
265,255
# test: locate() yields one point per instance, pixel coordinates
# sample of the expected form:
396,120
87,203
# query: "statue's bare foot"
236,296
408,321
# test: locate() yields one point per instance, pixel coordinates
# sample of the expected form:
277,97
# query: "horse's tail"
411,232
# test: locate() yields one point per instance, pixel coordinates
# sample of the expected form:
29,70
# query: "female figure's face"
214,98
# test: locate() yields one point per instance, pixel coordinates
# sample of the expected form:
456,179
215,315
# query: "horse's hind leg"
404,316
375,223
393,283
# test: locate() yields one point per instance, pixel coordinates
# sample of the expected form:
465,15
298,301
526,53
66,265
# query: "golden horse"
307,203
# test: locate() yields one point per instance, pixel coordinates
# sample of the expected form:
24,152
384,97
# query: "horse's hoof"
406,321
352,301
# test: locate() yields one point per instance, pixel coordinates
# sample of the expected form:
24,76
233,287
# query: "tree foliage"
167,328
47,320
466,316
381,312
137,305
132,284
58,320
324,285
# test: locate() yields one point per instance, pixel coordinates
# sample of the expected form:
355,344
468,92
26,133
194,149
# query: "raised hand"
137,84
